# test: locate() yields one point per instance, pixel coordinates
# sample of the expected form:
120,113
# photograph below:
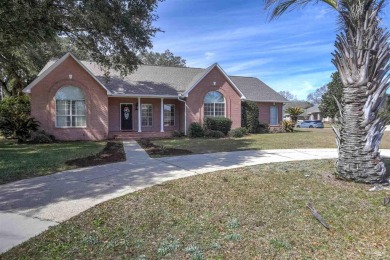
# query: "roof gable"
199,77
52,66
163,81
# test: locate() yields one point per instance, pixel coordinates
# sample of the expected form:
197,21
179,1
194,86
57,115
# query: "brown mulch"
166,152
113,152
157,151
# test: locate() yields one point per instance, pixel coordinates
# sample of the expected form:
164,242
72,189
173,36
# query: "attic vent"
120,89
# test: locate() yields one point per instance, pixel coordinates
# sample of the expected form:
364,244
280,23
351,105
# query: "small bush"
222,124
213,134
41,137
277,129
195,130
238,132
177,133
262,128
244,130
288,126
15,119
145,142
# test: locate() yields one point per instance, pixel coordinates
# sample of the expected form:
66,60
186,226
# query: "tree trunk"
362,59
294,118
359,159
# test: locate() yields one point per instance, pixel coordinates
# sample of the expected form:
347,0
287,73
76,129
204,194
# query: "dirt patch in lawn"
113,152
160,151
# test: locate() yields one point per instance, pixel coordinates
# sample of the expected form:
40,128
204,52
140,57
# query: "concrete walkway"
30,206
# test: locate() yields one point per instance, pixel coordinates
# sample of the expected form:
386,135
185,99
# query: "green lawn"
255,212
20,161
310,138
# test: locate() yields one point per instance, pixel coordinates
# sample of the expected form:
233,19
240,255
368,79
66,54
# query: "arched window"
70,107
214,104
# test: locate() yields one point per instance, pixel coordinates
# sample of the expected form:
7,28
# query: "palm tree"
362,58
294,112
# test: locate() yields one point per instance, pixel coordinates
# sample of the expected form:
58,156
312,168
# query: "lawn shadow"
62,195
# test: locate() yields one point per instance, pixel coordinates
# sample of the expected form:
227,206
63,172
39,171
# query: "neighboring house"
314,113
73,100
303,104
310,112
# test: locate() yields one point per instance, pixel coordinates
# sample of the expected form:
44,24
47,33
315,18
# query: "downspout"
180,98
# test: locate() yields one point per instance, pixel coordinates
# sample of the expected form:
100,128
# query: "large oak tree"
113,33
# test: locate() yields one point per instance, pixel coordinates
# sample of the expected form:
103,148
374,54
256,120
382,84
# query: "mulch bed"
155,150
113,152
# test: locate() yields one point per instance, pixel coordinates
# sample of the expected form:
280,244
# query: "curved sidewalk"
28,207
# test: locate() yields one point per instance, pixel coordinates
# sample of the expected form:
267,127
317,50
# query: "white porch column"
162,116
139,115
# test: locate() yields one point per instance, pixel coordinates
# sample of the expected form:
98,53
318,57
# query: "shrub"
243,130
145,142
213,133
195,130
15,120
222,124
288,126
262,128
238,132
250,116
41,137
177,133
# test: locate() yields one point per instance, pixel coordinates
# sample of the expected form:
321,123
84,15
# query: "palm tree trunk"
362,56
359,159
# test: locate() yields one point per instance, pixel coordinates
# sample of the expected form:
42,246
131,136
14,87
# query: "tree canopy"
113,33
288,95
166,58
316,96
328,106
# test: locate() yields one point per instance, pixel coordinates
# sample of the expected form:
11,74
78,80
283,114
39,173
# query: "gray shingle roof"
313,109
160,80
256,90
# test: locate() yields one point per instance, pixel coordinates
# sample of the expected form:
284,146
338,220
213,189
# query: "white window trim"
142,115
224,102
86,123
174,115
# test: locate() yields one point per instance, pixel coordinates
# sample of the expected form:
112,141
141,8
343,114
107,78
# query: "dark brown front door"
126,117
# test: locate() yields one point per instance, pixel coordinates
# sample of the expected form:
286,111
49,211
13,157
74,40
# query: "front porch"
143,117
136,135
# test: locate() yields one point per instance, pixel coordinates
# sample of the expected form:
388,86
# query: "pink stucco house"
74,100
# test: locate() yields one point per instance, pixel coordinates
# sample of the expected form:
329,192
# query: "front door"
126,117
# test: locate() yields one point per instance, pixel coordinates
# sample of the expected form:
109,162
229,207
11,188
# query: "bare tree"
288,95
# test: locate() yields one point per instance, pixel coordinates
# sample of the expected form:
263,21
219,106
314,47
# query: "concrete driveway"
30,206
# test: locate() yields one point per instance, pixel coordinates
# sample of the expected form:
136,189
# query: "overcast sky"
290,53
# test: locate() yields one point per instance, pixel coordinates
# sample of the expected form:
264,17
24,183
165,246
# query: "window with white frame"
147,114
214,104
70,107
169,115
274,115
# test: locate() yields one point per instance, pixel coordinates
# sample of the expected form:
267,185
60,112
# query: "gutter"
180,98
